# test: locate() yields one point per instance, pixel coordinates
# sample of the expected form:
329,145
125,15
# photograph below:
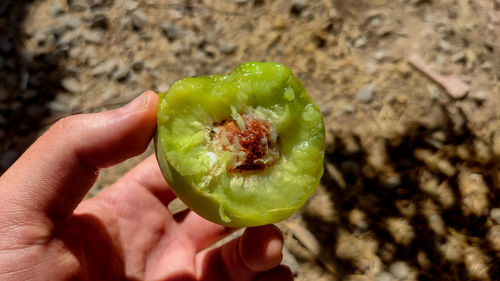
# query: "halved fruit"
243,149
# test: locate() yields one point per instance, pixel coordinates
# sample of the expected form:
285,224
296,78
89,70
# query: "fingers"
54,174
203,233
268,255
258,250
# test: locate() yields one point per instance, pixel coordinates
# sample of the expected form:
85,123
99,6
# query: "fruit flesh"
243,149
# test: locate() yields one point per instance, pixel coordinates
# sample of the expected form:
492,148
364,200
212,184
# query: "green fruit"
243,149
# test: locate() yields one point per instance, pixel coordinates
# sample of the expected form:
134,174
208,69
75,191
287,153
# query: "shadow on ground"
28,82
423,198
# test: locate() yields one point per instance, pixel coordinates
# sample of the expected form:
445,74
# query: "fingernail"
136,104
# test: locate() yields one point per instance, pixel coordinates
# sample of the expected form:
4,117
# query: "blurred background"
409,89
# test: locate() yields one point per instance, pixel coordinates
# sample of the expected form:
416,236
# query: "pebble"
71,22
495,214
71,85
493,237
122,72
77,5
139,19
444,46
480,96
171,31
58,106
496,143
56,11
290,260
226,47
105,68
384,276
7,159
365,95
93,37
400,270
70,38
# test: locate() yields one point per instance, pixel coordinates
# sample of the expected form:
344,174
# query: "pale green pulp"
198,174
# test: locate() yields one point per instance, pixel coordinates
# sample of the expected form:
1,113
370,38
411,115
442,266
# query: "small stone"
94,37
171,31
77,5
139,19
5,45
107,67
122,73
360,42
56,10
57,106
444,46
495,214
71,85
89,55
349,108
7,159
400,270
379,55
384,276
226,47
71,22
365,95
298,6
70,38
480,96
496,143
290,260
99,21
493,237
98,3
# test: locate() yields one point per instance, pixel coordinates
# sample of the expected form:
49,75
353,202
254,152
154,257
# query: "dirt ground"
411,189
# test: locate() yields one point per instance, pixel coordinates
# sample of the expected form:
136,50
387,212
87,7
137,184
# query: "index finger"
54,174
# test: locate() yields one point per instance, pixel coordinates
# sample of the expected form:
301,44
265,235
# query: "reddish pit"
255,141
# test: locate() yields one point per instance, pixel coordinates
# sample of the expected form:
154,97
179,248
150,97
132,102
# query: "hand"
124,233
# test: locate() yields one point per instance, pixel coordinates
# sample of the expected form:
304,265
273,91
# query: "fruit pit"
254,145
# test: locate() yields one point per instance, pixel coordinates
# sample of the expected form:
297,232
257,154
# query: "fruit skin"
215,206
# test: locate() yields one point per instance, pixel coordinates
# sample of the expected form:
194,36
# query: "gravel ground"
411,189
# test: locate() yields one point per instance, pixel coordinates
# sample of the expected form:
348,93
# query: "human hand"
124,233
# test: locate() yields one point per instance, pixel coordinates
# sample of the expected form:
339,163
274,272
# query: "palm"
126,232
138,233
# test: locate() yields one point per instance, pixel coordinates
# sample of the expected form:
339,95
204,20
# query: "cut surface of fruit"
242,149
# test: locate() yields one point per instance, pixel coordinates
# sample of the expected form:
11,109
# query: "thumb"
55,173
